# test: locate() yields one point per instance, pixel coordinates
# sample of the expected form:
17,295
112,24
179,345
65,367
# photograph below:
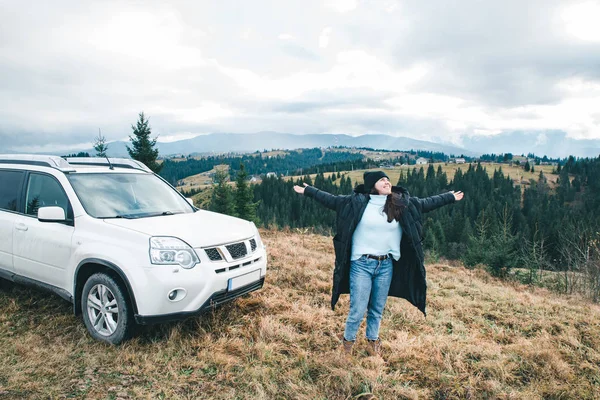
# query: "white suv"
120,243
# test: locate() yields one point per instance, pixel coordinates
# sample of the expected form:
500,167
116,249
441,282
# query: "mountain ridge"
250,142
554,144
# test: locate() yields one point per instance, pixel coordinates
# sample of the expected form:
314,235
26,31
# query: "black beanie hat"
371,179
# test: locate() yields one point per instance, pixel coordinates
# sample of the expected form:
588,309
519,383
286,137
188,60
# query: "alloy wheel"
103,310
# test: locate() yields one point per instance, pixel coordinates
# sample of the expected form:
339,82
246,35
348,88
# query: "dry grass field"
373,154
482,339
202,180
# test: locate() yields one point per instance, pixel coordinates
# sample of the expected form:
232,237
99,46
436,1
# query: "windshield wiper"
167,213
124,216
158,214
143,215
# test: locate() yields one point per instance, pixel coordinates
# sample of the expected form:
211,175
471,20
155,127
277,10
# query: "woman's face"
383,186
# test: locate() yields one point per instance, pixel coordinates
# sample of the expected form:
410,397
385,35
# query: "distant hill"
551,143
236,142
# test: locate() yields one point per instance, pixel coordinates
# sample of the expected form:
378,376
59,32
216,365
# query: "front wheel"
106,309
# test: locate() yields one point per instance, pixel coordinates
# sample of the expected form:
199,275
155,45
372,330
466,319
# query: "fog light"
177,294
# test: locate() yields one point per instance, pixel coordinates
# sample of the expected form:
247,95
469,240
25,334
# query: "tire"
106,309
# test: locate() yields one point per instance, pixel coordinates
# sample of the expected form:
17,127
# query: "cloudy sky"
431,70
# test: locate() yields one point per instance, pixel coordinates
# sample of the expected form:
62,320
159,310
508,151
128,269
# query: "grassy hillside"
481,339
202,180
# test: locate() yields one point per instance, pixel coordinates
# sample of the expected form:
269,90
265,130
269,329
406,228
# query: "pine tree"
565,190
478,241
142,146
435,239
442,178
100,145
245,208
222,196
501,256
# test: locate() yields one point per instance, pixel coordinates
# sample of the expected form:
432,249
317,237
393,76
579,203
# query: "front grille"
252,245
213,254
237,250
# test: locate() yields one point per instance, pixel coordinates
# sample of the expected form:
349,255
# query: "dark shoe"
374,347
347,347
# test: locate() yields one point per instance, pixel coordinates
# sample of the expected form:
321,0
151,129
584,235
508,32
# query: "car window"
10,184
43,191
126,195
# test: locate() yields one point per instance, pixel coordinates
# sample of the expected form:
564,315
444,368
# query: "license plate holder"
243,280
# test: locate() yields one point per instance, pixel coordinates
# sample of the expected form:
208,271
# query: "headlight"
172,251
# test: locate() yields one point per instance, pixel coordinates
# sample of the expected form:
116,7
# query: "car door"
42,250
11,182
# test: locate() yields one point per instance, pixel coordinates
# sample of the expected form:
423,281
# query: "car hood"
199,229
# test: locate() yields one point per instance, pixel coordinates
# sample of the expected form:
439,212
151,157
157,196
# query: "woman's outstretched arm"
328,200
433,202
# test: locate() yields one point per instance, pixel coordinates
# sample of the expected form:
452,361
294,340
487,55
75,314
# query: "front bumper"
214,301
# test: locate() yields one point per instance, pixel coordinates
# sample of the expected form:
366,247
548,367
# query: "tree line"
294,162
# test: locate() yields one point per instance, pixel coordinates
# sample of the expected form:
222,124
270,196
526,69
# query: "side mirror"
51,214
190,200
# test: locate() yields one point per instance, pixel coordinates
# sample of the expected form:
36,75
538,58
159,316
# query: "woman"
378,250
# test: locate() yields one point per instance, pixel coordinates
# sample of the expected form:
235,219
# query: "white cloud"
487,132
176,136
50,148
541,139
148,37
391,6
324,38
352,69
205,112
342,6
246,34
583,21
285,36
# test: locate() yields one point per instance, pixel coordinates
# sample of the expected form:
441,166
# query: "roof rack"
67,165
107,162
36,159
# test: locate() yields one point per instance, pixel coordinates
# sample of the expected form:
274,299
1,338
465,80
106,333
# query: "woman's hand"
300,189
457,195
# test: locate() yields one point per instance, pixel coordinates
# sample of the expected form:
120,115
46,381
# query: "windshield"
115,195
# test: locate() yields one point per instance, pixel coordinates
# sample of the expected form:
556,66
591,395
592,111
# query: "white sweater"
374,235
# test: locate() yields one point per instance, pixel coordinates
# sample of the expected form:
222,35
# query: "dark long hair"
394,205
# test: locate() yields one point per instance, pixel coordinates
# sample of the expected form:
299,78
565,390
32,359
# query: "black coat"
408,279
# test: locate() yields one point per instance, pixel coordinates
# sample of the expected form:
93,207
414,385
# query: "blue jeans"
370,281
